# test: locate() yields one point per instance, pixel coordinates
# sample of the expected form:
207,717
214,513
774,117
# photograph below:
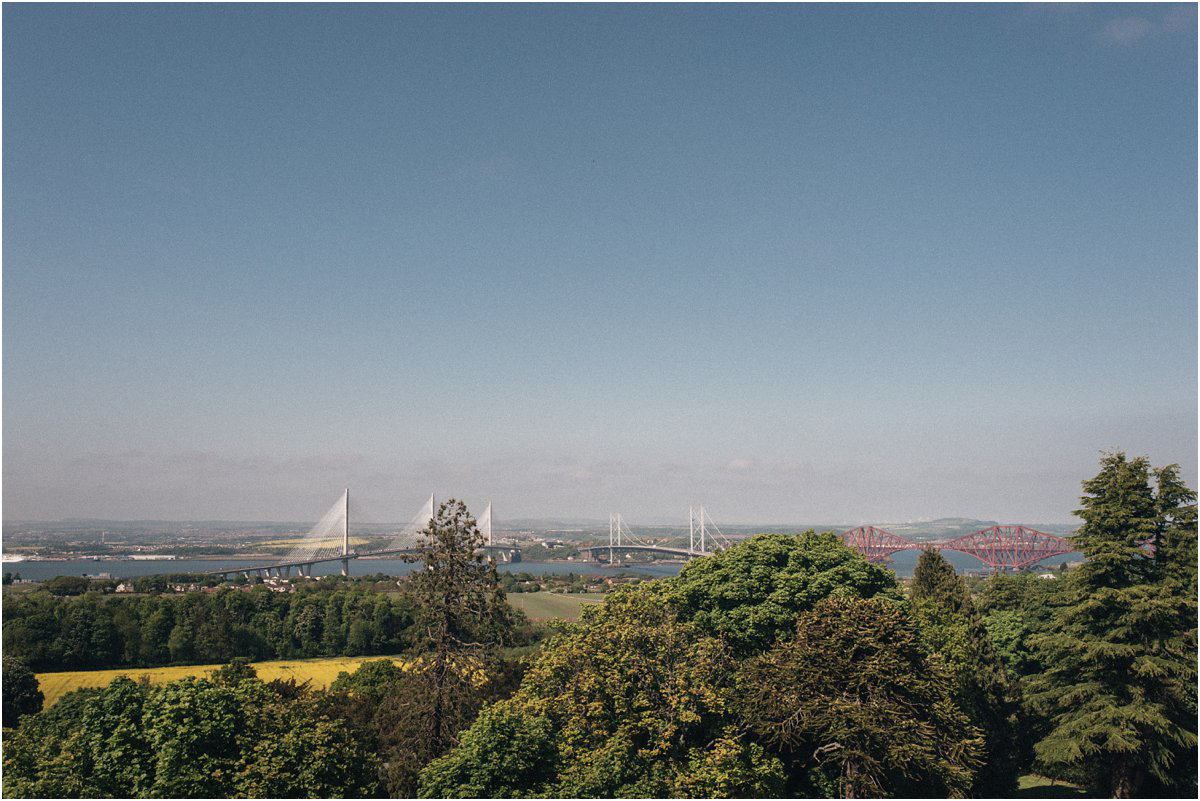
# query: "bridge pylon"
698,523
346,533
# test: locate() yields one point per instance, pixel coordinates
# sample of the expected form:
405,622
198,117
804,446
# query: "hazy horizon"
793,262
543,522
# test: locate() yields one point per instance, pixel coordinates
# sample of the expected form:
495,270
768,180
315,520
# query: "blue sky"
799,263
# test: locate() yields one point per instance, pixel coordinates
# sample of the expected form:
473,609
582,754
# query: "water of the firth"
903,563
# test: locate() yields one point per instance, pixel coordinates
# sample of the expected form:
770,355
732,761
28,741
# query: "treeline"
97,631
233,735
225,736
786,666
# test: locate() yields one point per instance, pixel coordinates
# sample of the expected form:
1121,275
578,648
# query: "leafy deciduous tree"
751,594
854,696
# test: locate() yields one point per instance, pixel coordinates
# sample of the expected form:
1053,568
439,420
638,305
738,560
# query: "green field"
1032,786
553,605
320,672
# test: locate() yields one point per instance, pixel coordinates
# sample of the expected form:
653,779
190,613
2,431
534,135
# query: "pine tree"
462,621
936,580
1175,535
952,627
1120,659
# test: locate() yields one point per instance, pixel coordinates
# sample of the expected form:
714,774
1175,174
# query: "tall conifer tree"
1120,659
463,619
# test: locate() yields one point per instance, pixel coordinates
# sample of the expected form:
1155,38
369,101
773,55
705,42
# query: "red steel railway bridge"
998,547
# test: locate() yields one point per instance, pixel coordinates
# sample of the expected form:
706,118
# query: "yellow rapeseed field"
320,672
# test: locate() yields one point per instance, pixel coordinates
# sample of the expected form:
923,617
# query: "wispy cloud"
1126,31
1133,30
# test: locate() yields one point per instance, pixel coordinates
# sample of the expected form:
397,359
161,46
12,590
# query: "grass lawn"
1032,786
321,672
553,605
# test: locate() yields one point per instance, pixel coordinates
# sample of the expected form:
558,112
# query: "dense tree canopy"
753,593
952,628
190,738
854,705
415,715
640,699
94,630
1118,680
617,707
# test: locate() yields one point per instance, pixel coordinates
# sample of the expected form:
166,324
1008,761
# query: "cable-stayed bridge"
329,541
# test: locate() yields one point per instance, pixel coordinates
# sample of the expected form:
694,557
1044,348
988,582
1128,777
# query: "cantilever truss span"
1000,547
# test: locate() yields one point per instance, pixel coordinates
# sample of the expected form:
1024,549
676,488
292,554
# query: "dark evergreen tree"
22,696
1175,534
936,580
952,627
462,620
1119,679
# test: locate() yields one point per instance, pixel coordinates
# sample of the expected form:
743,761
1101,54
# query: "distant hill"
946,528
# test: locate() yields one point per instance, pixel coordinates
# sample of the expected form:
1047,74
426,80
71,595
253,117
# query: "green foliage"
461,601
1120,515
638,700
1009,634
463,620
238,669
38,758
507,752
1175,537
67,585
936,580
185,739
730,768
952,628
854,695
1118,686
753,593
21,693
301,755
94,631
616,707
1015,608
371,680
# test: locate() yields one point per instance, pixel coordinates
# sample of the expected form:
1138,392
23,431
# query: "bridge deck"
649,549
337,558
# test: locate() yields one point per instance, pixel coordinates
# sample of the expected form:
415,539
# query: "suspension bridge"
329,541
704,539
998,547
